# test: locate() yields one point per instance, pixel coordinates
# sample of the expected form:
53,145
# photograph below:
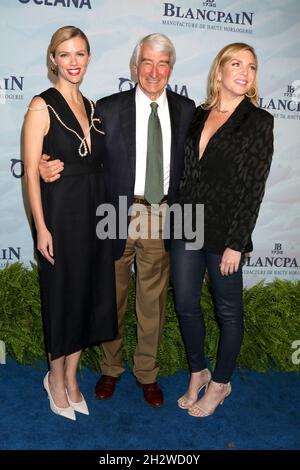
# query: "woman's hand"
230,261
45,244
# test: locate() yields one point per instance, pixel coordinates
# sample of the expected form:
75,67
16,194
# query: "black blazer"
230,177
118,116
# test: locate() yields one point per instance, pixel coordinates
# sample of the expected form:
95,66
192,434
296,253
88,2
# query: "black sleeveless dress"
78,292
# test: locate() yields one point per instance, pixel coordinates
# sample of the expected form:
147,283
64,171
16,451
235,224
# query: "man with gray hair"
126,123
145,129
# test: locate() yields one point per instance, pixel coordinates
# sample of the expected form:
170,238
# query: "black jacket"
119,116
230,177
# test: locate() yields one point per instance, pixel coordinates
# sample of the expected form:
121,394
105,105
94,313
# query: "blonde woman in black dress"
76,268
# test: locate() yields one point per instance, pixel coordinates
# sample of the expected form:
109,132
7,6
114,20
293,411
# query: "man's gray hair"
157,41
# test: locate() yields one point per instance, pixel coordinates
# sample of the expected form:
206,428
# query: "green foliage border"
272,324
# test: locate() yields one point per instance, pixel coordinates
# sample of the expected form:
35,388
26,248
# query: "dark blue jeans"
187,272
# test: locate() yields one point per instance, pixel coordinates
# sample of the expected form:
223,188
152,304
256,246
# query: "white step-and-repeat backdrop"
198,29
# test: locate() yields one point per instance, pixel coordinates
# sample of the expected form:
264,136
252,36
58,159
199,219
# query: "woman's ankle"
200,373
220,388
200,378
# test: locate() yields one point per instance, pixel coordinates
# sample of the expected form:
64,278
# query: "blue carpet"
262,412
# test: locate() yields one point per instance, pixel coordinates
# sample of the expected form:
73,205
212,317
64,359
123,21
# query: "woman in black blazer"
228,153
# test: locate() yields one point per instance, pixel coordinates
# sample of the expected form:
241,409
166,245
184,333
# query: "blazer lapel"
175,125
128,118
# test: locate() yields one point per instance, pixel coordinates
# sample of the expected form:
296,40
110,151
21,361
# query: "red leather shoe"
153,394
105,387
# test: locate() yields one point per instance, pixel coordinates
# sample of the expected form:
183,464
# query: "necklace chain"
223,111
83,148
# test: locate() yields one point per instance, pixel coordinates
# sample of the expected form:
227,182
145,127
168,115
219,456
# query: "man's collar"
143,98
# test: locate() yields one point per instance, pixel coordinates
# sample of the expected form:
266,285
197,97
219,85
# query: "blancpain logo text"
279,105
286,107
273,261
11,88
10,253
11,83
204,14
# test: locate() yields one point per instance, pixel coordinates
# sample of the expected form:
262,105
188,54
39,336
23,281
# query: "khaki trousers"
146,247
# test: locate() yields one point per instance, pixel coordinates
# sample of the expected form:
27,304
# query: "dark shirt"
230,177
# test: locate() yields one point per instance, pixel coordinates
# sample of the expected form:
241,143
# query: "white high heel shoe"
80,406
67,412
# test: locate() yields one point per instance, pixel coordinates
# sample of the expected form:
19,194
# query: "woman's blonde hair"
213,85
63,34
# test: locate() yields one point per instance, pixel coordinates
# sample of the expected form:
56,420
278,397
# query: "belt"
142,200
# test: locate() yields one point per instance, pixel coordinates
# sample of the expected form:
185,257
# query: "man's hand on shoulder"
50,170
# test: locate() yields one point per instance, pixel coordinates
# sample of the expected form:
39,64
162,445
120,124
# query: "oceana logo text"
204,14
60,3
127,84
17,167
